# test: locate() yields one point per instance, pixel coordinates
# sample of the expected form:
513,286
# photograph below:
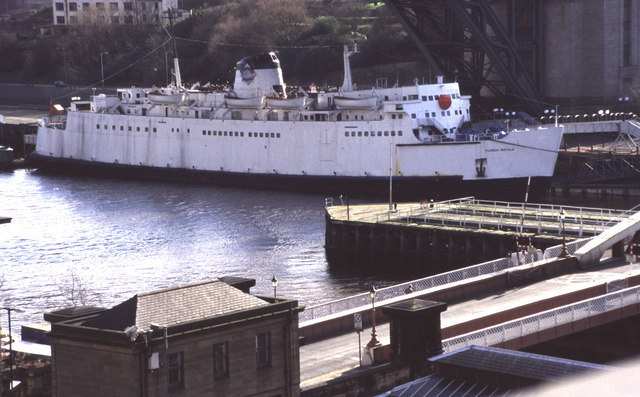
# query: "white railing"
503,215
508,215
546,320
384,295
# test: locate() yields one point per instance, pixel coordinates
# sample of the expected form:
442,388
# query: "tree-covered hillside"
308,36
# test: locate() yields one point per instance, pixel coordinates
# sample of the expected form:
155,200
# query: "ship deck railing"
58,122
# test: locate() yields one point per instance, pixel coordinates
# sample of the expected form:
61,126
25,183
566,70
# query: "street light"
373,342
102,66
274,282
564,253
9,310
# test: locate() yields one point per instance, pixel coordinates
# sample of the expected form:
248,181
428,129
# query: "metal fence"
385,295
546,320
503,215
506,215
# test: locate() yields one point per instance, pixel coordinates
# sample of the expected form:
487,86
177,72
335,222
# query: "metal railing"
546,320
506,215
385,295
58,122
503,215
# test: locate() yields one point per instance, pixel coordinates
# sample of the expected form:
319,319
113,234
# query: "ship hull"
403,188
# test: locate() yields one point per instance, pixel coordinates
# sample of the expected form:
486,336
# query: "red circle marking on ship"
444,101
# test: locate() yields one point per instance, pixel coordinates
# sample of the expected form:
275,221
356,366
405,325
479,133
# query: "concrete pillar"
617,251
420,250
415,332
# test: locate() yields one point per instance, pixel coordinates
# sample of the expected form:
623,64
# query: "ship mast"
176,65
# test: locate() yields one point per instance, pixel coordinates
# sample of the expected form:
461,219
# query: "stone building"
207,338
75,12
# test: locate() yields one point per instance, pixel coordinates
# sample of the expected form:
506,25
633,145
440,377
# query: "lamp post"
564,252
9,310
102,66
274,283
373,342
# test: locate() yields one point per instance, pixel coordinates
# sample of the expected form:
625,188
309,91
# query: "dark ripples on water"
122,237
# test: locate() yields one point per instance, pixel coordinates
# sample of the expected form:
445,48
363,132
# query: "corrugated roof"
436,385
515,363
502,362
176,305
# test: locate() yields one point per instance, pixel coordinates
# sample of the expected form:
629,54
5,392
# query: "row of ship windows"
138,129
204,132
434,97
443,113
373,133
241,134
113,127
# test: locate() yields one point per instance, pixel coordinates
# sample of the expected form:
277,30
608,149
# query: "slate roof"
175,305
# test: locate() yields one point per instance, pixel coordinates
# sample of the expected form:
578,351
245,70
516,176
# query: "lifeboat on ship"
244,103
286,103
171,98
343,102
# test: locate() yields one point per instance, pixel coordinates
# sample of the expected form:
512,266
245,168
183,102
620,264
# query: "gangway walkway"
357,303
328,359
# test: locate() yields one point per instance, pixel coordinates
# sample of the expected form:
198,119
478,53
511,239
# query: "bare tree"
77,291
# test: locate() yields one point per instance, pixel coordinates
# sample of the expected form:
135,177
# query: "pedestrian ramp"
612,238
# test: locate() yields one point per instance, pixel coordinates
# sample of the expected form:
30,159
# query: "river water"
114,238
117,238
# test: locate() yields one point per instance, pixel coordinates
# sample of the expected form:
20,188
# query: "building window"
263,349
220,360
85,6
115,20
59,6
128,6
175,371
100,6
73,6
60,20
113,6
128,19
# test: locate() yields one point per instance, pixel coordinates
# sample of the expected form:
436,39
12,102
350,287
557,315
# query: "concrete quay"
426,238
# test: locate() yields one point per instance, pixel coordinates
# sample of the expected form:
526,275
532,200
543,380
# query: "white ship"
351,141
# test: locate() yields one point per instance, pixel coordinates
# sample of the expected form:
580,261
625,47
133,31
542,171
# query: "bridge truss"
493,48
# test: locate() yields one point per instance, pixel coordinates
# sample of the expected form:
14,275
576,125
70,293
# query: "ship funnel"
176,67
258,75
